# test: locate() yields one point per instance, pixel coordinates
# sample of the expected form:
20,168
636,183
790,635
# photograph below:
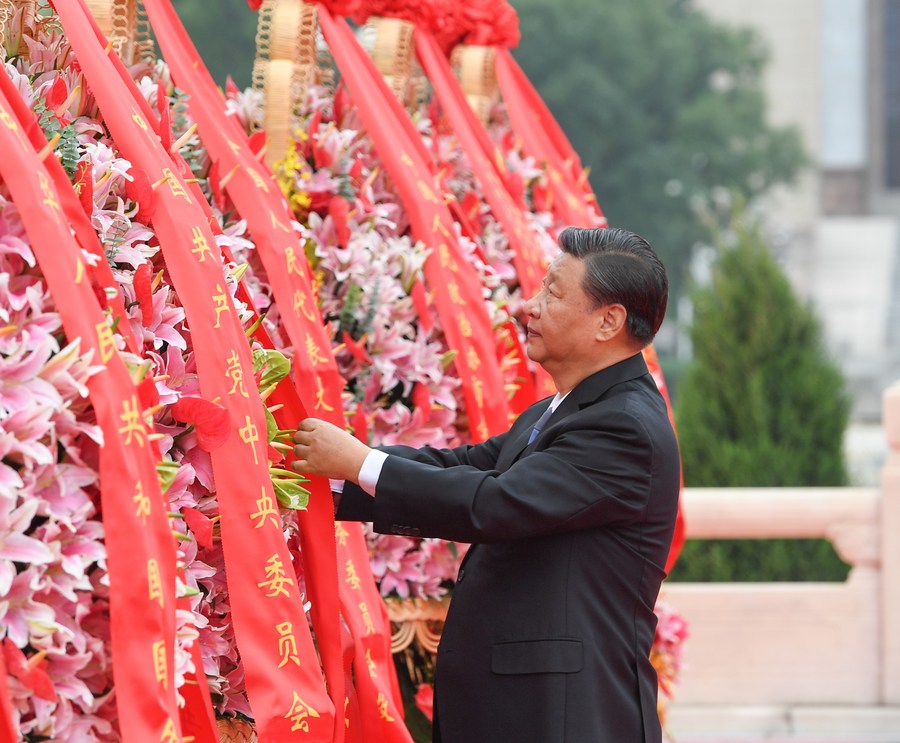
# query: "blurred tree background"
761,405
224,33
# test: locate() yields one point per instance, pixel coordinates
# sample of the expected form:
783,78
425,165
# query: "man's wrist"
370,470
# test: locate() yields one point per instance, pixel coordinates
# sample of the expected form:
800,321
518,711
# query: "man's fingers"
300,465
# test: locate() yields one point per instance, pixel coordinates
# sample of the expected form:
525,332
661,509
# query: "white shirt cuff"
371,470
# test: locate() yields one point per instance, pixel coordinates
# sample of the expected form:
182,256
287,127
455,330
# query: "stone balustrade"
797,659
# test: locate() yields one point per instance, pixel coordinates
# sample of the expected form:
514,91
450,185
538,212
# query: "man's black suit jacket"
549,631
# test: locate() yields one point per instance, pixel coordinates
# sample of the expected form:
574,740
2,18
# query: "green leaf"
291,494
166,471
274,366
271,426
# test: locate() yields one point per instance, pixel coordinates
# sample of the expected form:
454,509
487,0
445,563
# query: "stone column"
890,551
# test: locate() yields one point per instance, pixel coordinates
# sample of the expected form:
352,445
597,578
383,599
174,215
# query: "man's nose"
531,306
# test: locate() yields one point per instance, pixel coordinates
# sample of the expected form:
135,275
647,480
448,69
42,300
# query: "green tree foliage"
224,33
761,405
665,106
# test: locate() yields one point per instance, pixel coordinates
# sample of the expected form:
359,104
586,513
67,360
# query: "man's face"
562,320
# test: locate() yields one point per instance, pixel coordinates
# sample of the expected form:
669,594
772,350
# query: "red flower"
30,671
201,526
143,291
211,421
425,700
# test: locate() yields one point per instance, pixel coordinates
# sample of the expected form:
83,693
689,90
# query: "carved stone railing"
789,657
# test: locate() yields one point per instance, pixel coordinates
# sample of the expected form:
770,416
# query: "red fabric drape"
453,282
282,673
140,548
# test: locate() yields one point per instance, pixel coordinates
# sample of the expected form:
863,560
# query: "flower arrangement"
54,611
401,386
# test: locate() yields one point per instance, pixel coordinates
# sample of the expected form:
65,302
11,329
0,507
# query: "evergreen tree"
760,405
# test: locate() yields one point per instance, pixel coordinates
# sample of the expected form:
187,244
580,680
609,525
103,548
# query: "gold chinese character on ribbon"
220,304
313,352
11,124
406,159
340,534
154,582
169,733
235,373
143,504
382,703
321,404
300,300
447,260
473,360
367,618
465,327
49,196
437,225
133,429
160,667
265,509
455,296
277,222
352,578
426,192
478,391
482,430
258,180
370,664
175,186
105,341
276,578
293,262
140,121
250,435
198,239
299,714
287,644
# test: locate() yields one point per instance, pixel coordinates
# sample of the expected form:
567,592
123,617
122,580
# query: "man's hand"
324,449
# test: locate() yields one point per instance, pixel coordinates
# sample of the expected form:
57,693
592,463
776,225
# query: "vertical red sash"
572,204
101,273
8,728
487,165
140,548
656,372
283,679
259,200
196,715
528,260
453,282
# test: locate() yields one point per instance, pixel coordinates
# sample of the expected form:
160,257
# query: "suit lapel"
585,393
518,443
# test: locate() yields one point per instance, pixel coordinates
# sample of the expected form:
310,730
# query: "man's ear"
611,321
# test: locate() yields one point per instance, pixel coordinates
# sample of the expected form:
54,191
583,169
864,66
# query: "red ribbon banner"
283,678
139,543
454,283
573,204
259,200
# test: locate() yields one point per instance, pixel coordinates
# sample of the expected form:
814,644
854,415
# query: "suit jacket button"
462,574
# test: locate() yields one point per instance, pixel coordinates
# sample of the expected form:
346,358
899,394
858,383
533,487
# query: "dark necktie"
540,424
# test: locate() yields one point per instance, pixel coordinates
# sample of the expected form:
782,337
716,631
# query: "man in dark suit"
571,514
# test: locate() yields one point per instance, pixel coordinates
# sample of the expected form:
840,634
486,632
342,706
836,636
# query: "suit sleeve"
590,473
354,504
